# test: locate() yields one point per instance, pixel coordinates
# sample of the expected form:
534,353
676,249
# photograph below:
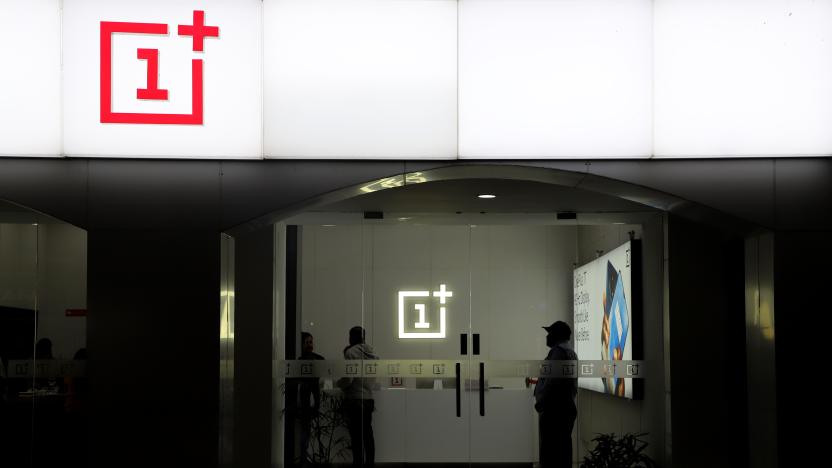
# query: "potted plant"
612,451
328,432
328,436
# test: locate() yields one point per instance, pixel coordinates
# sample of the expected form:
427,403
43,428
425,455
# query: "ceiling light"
328,225
486,196
404,219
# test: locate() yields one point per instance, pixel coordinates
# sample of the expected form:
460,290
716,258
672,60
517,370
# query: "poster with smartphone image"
603,315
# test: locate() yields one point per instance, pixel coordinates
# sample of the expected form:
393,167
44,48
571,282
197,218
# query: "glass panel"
61,403
399,393
320,411
418,281
43,389
18,316
446,386
520,282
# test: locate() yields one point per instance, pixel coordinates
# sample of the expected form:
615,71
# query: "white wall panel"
30,78
360,79
555,78
743,78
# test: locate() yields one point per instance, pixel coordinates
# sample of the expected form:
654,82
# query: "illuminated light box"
360,79
416,79
162,79
30,78
555,79
607,316
743,78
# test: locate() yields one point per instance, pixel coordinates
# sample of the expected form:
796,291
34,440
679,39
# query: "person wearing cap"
555,401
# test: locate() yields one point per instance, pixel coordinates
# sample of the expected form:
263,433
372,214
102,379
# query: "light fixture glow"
328,225
486,196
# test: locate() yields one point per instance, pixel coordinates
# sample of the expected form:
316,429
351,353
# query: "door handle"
476,344
463,344
482,389
458,396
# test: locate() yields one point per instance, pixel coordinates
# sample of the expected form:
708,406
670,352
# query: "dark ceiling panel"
56,187
804,194
739,187
254,189
148,194
461,195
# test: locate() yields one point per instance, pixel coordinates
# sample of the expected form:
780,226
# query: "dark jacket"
556,393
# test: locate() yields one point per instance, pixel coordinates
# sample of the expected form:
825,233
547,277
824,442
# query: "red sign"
198,31
76,312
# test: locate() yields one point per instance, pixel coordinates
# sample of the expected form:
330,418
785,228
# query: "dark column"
802,263
760,350
253,325
153,341
707,346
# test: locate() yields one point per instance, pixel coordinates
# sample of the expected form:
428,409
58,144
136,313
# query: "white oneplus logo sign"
421,308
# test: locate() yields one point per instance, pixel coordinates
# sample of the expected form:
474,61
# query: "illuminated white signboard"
360,79
415,79
555,79
156,78
30,78
420,321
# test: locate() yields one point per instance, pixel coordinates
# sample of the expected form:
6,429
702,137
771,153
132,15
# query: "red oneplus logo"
198,31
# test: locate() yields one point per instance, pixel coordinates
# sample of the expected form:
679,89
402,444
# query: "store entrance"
411,327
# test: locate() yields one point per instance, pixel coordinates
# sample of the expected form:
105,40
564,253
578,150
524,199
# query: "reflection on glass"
43,388
226,371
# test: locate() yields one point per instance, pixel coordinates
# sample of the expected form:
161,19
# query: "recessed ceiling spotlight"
328,225
404,218
619,222
486,196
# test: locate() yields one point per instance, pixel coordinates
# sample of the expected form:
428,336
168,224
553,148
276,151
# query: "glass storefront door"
389,330
421,343
418,279
520,282
446,312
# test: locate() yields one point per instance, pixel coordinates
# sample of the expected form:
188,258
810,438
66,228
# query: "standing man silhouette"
309,392
358,402
555,401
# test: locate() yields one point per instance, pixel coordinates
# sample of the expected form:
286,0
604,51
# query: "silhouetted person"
358,402
309,394
555,401
43,351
